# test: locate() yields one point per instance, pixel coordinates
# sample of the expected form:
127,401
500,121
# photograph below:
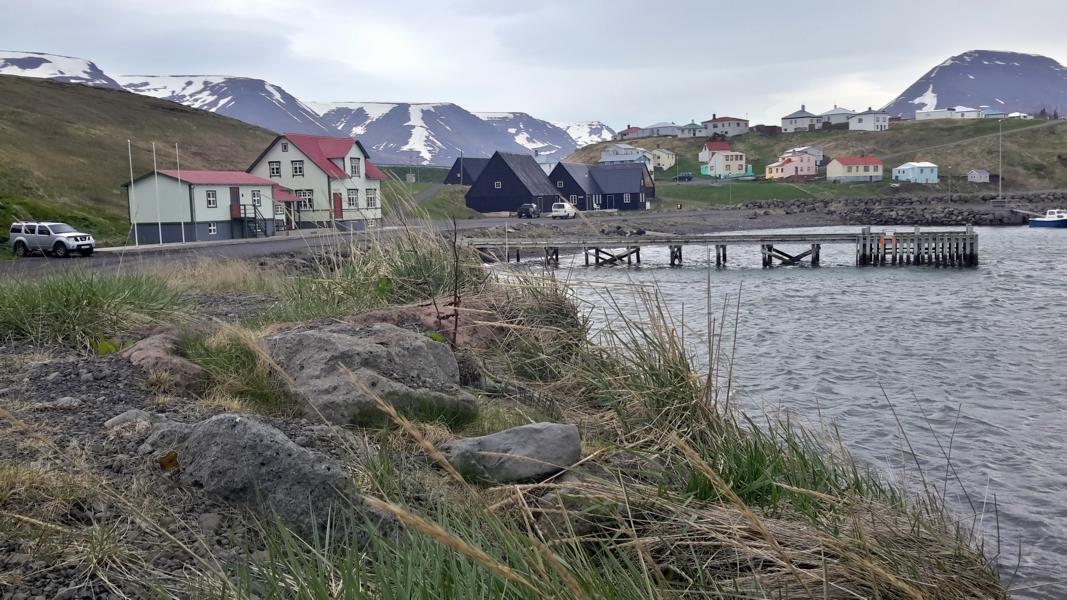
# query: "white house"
816,152
661,129
836,115
978,176
332,177
710,148
952,112
169,206
992,113
916,172
801,120
1020,115
869,120
692,130
663,158
625,153
728,126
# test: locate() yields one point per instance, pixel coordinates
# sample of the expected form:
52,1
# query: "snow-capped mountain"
250,100
589,132
430,134
540,137
52,66
1007,81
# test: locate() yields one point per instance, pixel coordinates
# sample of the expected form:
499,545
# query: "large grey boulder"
159,354
415,374
242,460
525,453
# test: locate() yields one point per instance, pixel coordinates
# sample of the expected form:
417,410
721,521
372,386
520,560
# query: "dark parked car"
686,176
529,211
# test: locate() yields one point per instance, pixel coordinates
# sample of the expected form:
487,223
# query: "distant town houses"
952,112
663,159
510,180
978,176
624,186
916,172
465,171
837,115
728,126
869,120
625,153
801,120
793,166
816,152
298,181
854,169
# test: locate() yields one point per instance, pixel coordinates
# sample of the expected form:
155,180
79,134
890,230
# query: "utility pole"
1000,160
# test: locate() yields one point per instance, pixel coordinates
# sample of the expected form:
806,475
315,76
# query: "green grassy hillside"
63,149
1032,150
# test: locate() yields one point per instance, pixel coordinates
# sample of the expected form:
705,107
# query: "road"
155,255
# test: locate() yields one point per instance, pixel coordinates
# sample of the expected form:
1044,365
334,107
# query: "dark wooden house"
509,180
465,171
604,187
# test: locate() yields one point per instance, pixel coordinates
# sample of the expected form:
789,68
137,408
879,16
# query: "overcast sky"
619,61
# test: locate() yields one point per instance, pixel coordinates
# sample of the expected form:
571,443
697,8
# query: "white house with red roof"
711,147
728,126
854,169
332,178
171,206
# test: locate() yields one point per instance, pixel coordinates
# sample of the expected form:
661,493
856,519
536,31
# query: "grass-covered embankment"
677,493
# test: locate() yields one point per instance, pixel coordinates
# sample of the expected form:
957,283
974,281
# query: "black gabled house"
604,187
465,171
509,180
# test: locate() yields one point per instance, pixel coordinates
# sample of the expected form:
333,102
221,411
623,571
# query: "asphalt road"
148,256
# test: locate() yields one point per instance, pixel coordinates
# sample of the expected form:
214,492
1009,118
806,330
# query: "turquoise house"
916,172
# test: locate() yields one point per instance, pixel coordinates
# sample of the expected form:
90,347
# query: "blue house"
916,172
465,171
604,187
510,180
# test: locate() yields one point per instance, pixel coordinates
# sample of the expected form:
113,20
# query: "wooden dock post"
816,250
676,256
585,251
637,251
718,256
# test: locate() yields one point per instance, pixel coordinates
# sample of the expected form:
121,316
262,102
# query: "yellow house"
853,169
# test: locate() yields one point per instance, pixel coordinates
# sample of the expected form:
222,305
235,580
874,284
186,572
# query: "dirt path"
427,193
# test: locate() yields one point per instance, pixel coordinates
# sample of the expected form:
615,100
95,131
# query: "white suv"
59,239
563,210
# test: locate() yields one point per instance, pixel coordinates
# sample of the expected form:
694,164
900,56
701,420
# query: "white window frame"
354,167
353,198
212,198
297,163
306,199
257,198
574,198
372,197
497,185
626,198
212,228
559,184
275,168
285,146
279,208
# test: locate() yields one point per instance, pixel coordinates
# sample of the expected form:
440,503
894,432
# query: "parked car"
563,210
58,239
529,211
686,176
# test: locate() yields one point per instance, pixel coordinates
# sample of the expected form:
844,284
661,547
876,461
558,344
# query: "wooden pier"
889,247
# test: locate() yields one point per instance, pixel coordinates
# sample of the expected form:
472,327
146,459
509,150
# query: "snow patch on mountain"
588,132
67,69
536,135
928,100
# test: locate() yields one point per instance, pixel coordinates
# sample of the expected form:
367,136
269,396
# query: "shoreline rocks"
524,453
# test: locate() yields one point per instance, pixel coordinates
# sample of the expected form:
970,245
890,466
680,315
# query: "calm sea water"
975,359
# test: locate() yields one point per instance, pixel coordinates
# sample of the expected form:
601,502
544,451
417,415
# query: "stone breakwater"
942,209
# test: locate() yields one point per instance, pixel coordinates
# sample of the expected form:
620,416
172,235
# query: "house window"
626,198
285,146
354,164
212,199
279,208
866,169
257,198
212,228
298,168
305,198
353,198
850,169
559,184
496,185
574,198
275,168
372,198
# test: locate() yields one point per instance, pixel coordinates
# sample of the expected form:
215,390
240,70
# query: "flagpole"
178,158
131,198
155,175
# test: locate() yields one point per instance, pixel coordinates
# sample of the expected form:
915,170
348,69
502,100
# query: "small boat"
1052,218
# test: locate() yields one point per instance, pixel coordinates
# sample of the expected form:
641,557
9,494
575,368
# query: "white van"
563,210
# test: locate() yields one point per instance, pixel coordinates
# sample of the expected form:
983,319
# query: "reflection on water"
972,358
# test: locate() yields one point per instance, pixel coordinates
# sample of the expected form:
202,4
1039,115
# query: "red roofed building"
793,166
625,133
854,169
710,148
333,179
172,206
728,126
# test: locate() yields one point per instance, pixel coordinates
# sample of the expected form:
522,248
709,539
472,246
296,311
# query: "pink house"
792,165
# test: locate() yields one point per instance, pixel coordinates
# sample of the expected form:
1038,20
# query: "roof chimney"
802,107
714,116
